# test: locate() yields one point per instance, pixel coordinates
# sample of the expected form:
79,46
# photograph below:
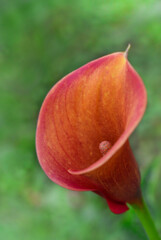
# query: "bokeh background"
40,42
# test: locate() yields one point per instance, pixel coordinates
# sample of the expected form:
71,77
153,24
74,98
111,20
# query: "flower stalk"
146,220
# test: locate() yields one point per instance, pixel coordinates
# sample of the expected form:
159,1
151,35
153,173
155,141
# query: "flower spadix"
83,129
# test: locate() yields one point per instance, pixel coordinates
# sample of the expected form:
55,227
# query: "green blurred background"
40,42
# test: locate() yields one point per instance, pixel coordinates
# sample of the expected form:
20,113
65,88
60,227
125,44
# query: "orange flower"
83,129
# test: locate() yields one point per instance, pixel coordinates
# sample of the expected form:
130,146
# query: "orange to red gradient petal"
83,129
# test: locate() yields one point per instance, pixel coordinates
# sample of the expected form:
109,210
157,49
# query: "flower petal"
117,208
135,104
102,101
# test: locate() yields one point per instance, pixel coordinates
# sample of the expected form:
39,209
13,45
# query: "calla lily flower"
83,129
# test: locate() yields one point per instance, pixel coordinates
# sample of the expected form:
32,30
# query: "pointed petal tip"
127,50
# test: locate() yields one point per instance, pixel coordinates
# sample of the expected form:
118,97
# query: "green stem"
146,220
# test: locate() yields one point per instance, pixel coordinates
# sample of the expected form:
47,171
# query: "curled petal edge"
120,142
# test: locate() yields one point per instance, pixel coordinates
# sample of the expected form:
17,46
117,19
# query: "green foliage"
40,42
